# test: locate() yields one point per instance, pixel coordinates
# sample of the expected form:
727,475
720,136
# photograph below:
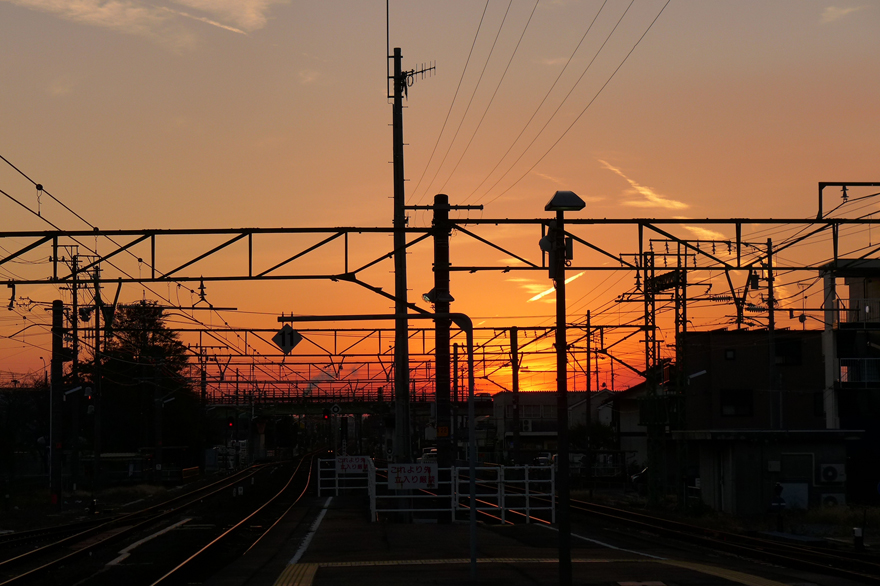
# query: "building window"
531,411
736,402
730,354
549,412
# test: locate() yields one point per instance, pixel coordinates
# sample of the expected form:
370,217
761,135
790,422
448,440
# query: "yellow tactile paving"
731,575
297,575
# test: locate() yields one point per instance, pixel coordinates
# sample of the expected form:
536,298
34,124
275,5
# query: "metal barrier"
502,490
330,481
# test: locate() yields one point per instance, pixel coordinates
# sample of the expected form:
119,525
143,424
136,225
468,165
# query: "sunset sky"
271,113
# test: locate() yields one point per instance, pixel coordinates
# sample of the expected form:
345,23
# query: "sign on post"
405,476
287,338
351,464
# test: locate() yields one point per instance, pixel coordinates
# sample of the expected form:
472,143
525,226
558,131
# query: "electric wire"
492,99
452,104
471,100
40,216
579,116
538,108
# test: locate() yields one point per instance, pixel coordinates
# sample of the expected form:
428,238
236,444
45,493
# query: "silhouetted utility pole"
74,372
403,439
776,394
560,253
203,387
514,363
588,408
441,298
563,518
55,397
456,397
96,483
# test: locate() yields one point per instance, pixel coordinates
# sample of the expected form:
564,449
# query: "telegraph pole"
403,440
402,443
441,298
97,393
514,363
74,374
55,397
776,394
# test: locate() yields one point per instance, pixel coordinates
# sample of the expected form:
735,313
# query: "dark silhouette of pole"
403,439
588,407
776,409
55,398
560,252
514,363
563,519
74,373
442,299
456,396
96,478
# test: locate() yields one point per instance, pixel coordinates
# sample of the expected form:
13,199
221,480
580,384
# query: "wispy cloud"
551,61
652,199
550,178
834,13
705,233
552,289
158,23
248,15
308,76
206,21
127,15
566,184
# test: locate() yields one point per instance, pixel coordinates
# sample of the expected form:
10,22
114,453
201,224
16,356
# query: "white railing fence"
508,492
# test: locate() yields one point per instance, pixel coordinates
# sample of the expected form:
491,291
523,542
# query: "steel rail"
143,514
182,566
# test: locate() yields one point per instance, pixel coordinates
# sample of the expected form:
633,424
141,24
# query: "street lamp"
560,251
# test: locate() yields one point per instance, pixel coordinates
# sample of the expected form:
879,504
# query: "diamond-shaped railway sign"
287,338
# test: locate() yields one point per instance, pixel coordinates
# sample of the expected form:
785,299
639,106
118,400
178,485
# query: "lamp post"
559,249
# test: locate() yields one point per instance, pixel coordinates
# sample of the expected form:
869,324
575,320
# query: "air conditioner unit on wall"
832,473
526,425
833,499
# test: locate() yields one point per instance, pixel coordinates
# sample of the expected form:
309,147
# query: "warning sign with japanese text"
404,476
352,464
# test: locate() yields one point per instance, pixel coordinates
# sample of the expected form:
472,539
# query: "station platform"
344,547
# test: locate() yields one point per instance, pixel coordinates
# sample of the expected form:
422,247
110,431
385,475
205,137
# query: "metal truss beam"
35,241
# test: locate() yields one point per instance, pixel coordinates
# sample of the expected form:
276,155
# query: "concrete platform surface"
346,548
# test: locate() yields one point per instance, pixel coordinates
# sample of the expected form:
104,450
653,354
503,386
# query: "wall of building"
729,380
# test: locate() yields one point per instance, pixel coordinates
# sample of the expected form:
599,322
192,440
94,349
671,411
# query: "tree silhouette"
145,392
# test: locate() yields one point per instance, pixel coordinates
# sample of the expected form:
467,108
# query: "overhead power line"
587,107
451,105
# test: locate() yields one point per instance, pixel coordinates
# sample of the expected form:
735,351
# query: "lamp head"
433,297
564,201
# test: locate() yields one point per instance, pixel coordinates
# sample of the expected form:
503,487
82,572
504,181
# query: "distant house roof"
853,267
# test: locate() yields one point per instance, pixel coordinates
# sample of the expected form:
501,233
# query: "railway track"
192,534
826,560
822,560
